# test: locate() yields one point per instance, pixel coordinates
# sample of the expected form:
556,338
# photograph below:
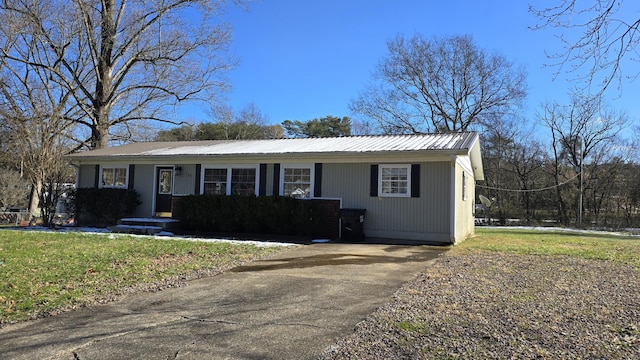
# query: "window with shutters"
113,177
231,180
297,181
394,180
243,181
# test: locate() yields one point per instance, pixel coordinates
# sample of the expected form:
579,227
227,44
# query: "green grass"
597,246
413,326
45,271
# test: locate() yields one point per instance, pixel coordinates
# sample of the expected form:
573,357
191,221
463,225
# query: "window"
114,177
464,186
215,181
394,180
230,181
165,182
296,182
243,181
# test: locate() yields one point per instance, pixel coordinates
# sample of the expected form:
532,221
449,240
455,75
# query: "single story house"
413,187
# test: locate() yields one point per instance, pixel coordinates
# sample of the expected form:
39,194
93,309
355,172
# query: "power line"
529,190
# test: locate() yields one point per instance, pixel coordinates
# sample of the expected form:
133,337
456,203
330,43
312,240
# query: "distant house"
414,187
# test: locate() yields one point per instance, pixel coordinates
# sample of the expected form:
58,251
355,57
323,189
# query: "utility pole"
580,172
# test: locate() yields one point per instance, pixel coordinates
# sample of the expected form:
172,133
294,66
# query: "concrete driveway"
290,306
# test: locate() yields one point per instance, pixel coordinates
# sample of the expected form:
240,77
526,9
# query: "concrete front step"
144,226
164,223
136,229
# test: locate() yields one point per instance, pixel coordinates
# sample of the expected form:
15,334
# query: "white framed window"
243,181
215,181
230,180
464,186
114,176
297,181
394,180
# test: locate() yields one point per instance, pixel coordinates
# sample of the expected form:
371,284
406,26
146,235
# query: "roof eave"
338,156
476,159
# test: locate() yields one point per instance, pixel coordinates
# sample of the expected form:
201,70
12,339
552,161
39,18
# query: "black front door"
164,191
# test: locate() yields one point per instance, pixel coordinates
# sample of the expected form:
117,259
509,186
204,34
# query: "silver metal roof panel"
453,142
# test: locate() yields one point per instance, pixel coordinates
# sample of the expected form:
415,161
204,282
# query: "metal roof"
337,148
449,142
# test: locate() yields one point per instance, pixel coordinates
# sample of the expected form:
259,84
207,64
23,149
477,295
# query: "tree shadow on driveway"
358,256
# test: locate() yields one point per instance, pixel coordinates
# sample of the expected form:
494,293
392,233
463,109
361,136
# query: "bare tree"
124,60
609,32
527,159
247,123
35,115
580,132
227,124
14,189
446,84
513,175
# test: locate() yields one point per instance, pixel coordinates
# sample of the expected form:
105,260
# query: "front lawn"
44,272
587,245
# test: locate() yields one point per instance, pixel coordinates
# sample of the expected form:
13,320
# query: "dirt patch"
492,305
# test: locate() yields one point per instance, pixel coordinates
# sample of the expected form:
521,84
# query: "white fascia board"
338,157
475,155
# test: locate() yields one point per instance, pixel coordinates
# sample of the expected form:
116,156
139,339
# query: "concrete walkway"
291,306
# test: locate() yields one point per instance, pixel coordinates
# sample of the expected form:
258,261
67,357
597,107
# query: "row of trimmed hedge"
104,207
277,215
248,214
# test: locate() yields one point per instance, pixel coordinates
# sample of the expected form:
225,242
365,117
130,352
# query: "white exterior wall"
464,207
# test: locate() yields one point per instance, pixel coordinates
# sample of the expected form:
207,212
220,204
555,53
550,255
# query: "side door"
164,191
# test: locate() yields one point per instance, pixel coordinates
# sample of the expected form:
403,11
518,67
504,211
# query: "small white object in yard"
320,241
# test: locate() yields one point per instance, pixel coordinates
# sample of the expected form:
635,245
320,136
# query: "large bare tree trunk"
104,78
34,201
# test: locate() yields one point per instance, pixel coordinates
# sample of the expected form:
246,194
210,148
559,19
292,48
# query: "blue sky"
300,60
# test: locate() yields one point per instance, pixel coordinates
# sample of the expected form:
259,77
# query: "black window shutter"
317,181
415,180
373,188
198,174
96,181
132,169
262,191
276,179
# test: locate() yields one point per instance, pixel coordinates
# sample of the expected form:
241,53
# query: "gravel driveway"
484,305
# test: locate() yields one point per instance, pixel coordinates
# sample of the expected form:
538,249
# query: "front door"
164,191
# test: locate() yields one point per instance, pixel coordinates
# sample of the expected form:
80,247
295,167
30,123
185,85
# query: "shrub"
247,214
104,207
